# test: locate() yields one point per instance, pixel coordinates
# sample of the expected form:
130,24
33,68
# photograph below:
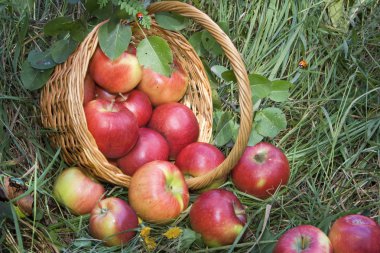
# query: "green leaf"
280,91
78,30
225,27
337,15
225,129
171,21
229,76
260,86
41,60
187,239
196,42
33,79
254,137
210,44
270,121
5,210
218,70
62,49
58,26
154,52
114,38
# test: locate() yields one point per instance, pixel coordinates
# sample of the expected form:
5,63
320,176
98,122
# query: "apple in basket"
149,147
162,89
355,233
177,123
158,192
77,190
116,76
89,89
218,216
304,239
113,221
113,127
199,158
261,170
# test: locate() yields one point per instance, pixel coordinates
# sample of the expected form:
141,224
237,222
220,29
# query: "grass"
332,138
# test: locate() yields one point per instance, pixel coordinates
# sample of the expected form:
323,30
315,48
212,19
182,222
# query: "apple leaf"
114,38
260,86
62,49
41,60
33,79
254,137
5,210
229,76
280,91
225,129
270,121
58,26
196,41
154,52
210,44
218,70
171,21
187,239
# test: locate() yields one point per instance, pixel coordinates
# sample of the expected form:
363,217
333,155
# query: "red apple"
149,147
113,127
139,104
89,89
218,216
77,190
261,170
158,192
162,89
120,75
177,123
102,93
199,158
303,239
113,221
355,233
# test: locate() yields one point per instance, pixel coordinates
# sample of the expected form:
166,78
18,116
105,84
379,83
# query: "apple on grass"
199,158
177,123
115,76
303,239
158,192
261,170
218,216
355,233
113,127
77,190
113,221
149,147
162,89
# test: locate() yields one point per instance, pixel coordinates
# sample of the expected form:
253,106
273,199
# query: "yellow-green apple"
218,216
120,75
177,123
199,158
113,221
149,147
303,239
261,170
113,127
139,104
89,89
162,89
355,233
77,190
158,192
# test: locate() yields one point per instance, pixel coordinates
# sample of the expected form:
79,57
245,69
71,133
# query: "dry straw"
62,98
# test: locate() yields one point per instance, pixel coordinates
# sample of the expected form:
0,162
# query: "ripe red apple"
120,75
89,89
77,190
199,158
113,221
102,93
261,170
303,239
158,192
139,104
162,89
355,233
177,123
149,147
218,216
113,127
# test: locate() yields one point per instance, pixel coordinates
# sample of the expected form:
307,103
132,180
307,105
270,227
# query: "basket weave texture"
62,98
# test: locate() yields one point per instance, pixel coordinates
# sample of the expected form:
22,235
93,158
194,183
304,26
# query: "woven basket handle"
245,101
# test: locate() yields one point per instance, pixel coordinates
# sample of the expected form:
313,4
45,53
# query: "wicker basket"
62,98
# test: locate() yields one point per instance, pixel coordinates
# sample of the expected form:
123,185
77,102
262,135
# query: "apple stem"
103,210
122,96
304,242
112,104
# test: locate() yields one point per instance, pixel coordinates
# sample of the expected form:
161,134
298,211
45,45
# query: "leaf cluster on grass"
331,137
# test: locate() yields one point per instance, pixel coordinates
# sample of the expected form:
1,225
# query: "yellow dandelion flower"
145,231
140,220
150,243
173,233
